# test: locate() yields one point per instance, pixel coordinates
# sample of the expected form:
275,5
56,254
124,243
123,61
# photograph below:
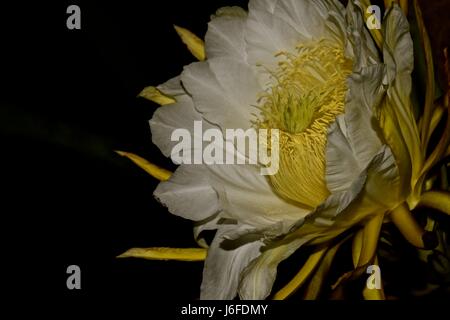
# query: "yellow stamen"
155,171
195,45
308,94
161,253
155,95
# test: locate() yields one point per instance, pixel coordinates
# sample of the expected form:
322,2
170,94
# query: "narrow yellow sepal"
388,3
300,278
153,94
370,235
404,6
430,85
442,148
408,226
162,253
363,252
437,116
357,246
438,200
195,45
402,3
315,286
155,171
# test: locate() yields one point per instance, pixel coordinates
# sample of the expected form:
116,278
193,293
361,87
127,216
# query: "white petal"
211,223
308,17
267,35
258,278
188,193
360,45
224,91
172,87
395,115
174,116
365,93
341,165
353,140
336,27
398,45
223,268
225,38
326,214
262,5
247,196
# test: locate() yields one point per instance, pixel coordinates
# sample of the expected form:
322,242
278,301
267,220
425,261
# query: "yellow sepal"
195,45
300,278
317,280
430,85
162,253
438,200
408,226
370,235
155,171
153,94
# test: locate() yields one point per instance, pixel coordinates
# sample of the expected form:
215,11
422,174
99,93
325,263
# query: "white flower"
349,141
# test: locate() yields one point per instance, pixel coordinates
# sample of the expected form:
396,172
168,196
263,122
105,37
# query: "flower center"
307,95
